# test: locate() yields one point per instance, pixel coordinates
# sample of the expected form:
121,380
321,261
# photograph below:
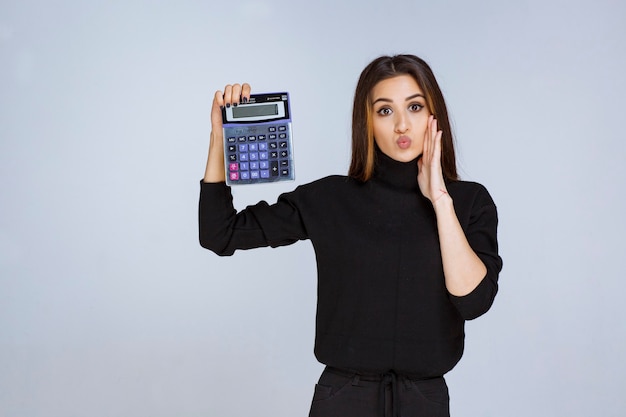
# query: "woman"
405,251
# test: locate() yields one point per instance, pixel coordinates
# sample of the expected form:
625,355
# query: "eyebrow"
391,101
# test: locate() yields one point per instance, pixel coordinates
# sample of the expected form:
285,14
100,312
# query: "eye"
415,107
385,111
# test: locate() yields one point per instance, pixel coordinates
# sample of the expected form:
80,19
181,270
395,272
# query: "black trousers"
342,393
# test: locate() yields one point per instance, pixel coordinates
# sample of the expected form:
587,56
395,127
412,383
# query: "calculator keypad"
258,153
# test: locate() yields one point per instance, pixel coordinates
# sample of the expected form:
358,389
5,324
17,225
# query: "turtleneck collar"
400,175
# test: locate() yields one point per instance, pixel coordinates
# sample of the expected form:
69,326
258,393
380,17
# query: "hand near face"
430,176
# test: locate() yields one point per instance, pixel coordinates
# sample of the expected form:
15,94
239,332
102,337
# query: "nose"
401,123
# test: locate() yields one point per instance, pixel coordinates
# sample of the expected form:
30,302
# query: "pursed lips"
403,142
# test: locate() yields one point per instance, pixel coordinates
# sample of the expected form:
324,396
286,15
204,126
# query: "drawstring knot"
389,389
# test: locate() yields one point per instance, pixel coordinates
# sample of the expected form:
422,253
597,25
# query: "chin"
407,156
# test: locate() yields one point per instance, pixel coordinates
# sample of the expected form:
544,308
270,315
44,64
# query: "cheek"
380,130
422,126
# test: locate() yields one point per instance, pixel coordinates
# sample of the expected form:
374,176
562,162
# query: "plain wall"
108,305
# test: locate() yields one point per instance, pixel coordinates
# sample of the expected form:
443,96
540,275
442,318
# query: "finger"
236,94
427,141
228,92
216,110
245,92
437,139
433,140
437,147
218,99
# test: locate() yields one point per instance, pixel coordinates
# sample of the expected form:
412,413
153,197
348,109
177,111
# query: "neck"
401,175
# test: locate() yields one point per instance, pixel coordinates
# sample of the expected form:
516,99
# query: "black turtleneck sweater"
382,301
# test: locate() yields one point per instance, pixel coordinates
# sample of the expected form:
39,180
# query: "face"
399,117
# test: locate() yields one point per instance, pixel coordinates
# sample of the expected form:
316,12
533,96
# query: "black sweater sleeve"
223,230
480,221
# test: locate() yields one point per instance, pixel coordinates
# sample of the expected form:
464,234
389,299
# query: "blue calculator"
257,140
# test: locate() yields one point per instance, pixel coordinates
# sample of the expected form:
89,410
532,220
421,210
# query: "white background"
108,305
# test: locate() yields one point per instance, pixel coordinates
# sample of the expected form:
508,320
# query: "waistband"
388,380
377,376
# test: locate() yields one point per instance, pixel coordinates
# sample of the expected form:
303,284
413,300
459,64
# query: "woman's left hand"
430,176
462,268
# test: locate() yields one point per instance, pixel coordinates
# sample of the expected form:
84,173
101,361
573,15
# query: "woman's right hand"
231,96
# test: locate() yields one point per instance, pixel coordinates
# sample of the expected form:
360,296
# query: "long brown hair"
363,144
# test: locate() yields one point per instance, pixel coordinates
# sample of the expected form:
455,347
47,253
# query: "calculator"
257,140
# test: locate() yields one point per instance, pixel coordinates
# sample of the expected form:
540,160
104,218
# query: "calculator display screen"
255,111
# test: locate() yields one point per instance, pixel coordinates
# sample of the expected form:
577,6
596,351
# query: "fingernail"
235,104
245,100
221,107
227,105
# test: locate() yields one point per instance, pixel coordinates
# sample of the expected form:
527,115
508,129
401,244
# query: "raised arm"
462,267
231,96
221,228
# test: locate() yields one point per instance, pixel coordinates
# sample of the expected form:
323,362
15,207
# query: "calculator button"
241,139
243,157
233,167
265,173
262,146
261,137
283,163
282,128
232,148
264,165
254,175
252,138
283,136
231,139
273,136
245,175
284,154
284,172
274,168
253,147
253,156
243,166
273,154
283,145
263,155
232,157
273,145
243,147
272,129
234,176
254,166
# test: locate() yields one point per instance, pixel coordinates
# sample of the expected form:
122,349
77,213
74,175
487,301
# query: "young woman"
406,252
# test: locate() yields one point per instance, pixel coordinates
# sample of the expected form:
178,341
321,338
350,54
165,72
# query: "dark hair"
363,144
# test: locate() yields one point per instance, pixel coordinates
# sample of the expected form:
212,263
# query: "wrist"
215,168
442,201
216,139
